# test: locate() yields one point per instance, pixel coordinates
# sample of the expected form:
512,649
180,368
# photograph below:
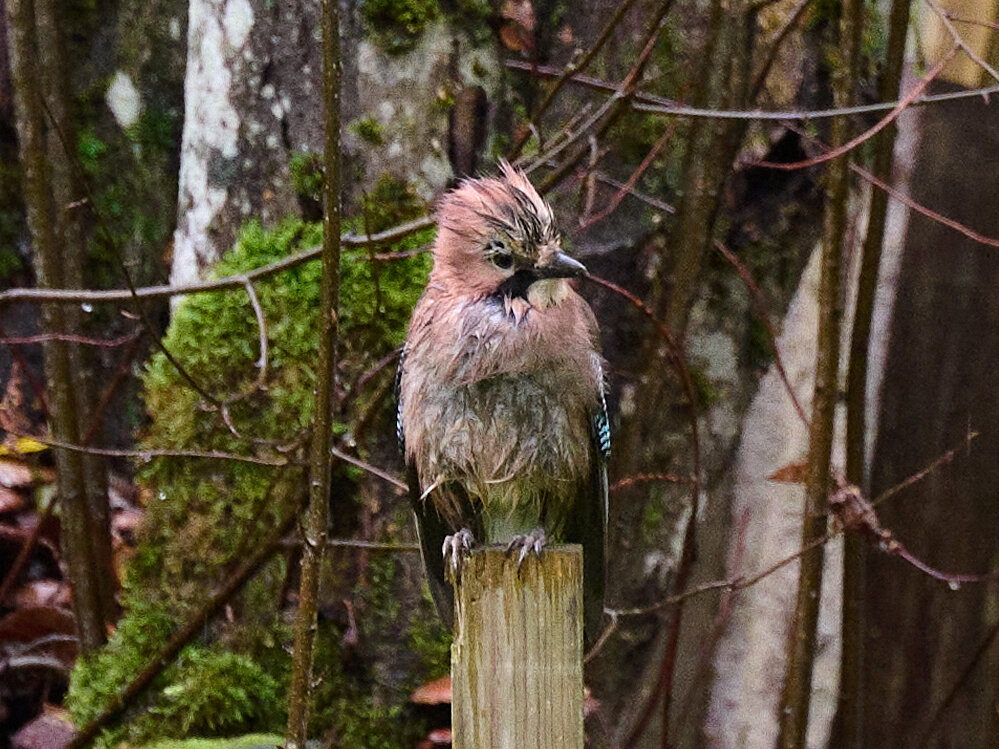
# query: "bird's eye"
500,255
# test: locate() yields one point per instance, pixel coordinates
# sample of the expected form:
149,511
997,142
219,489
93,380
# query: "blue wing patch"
601,429
397,388
601,422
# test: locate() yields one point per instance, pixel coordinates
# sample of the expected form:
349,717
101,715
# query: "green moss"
705,391
397,26
368,129
204,515
251,741
306,170
90,149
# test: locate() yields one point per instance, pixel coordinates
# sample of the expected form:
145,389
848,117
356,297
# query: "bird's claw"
527,543
457,546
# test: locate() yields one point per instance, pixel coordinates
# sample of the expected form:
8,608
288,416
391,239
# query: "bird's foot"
457,546
527,543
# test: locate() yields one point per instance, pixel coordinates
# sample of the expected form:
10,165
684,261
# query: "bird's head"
497,237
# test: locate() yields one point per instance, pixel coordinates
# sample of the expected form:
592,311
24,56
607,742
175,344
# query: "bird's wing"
587,523
430,527
431,530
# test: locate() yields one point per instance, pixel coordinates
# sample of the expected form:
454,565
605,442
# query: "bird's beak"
560,265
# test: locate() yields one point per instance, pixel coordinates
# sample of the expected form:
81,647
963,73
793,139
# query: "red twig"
902,105
761,310
665,681
36,387
639,478
930,214
71,338
629,186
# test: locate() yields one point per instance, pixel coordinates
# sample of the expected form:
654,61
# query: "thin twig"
84,182
568,72
609,630
629,186
935,719
645,102
71,338
647,477
372,469
970,21
740,583
352,543
613,108
262,329
929,213
93,296
790,22
761,311
229,586
147,455
944,459
834,153
36,387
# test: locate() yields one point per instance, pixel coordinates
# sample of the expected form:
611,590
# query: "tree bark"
316,522
848,727
921,636
77,523
67,202
796,696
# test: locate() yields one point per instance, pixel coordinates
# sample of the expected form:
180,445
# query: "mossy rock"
203,516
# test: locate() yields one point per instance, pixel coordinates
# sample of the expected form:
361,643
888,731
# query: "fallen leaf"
792,473
27,445
436,692
11,501
31,622
14,474
511,38
28,626
440,737
520,12
53,729
44,592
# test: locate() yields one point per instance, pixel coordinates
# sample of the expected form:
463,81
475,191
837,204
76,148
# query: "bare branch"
147,455
567,73
71,338
835,153
372,469
761,310
93,296
645,102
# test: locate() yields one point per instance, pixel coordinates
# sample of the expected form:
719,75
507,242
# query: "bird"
501,392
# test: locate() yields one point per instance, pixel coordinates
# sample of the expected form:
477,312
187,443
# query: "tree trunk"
78,530
938,385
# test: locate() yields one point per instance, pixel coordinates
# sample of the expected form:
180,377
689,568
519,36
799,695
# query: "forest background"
788,209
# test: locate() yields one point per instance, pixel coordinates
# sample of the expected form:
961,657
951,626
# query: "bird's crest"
508,204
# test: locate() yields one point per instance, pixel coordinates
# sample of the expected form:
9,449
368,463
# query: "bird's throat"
547,292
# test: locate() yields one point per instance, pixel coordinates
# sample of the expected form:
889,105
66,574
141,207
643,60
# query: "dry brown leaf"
511,38
436,692
14,474
53,729
44,592
792,473
11,501
520,12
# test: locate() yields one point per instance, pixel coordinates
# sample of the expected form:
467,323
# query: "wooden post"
517,657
